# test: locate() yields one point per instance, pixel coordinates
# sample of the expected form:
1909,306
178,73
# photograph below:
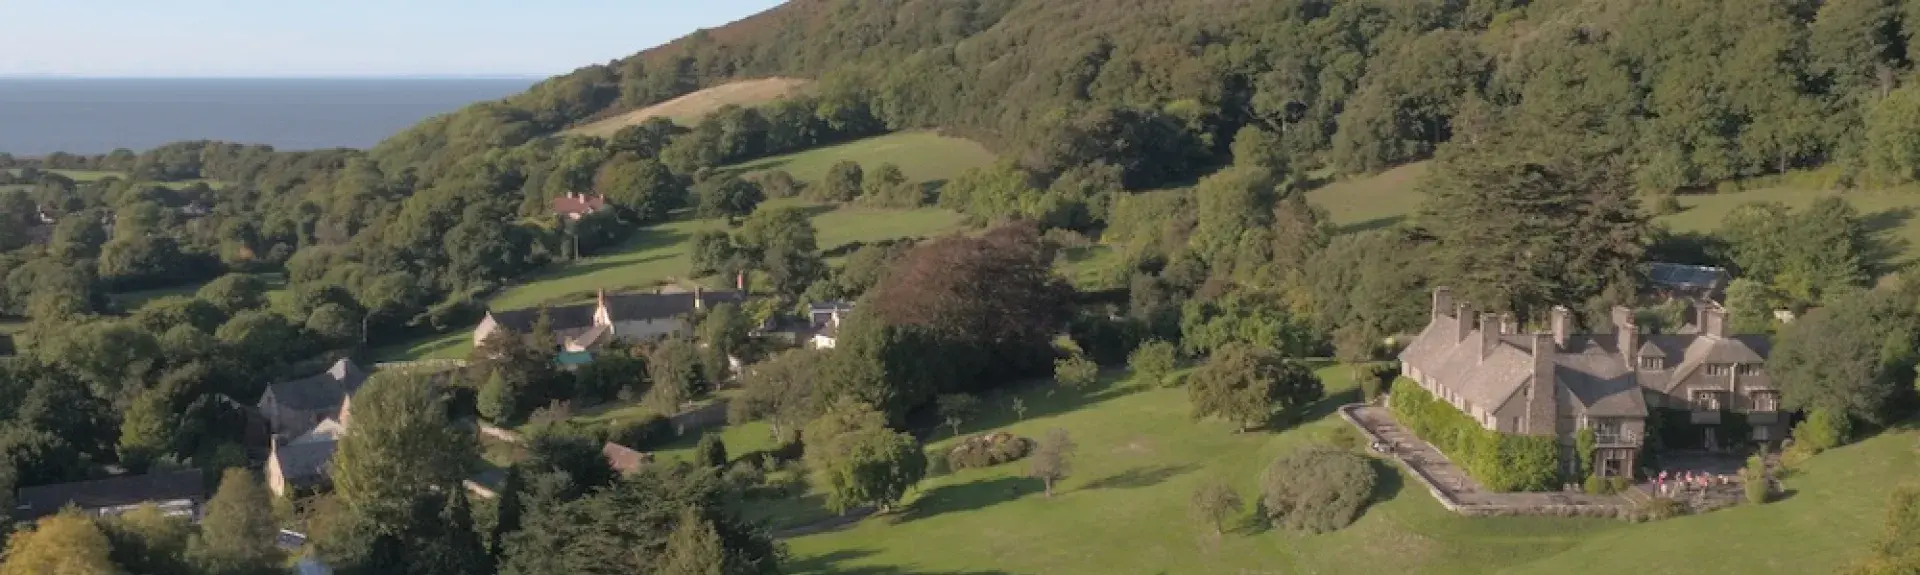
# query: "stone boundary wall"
1449,501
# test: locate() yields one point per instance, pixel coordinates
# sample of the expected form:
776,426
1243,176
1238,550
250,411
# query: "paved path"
1455,489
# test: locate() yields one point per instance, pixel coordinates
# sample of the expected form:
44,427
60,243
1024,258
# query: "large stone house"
627,317
308,417
1557,382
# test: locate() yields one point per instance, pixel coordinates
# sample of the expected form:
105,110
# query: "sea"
88,116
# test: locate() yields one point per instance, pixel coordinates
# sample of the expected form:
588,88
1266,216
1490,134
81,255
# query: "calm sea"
94,116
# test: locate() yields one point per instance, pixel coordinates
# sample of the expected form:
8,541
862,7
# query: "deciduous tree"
1052,461
1247,385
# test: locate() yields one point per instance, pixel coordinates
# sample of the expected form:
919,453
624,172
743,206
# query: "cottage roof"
329,429
622,458
1686,276
579,204
321,391
45,500
658,306
302,462
1486,382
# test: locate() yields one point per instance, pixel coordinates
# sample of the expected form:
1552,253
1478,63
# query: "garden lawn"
1124,510
923,156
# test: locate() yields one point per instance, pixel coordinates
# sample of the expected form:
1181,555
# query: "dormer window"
1720,369
1766,401
1653,363
1747,369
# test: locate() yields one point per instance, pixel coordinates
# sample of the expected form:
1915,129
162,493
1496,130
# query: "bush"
745,478
938,466
1376,381
1153,360
1596,485
1318,489
643,434
1754,481
1662,508
1499,461
1346,438
1619,484
1824,429
987,451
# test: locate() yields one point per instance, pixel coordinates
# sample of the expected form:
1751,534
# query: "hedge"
1499,461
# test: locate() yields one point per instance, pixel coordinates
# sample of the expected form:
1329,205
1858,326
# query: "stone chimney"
697,304
1543,410
1713,320
1462,320
1627,335
1561,323
1489,334
1442,302
740,282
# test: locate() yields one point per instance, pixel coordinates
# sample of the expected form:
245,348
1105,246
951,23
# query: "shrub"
938,466
1619,484
1499,461
1376,381
987,450
1596,485
1346,438
1153,360
710,452
1794,456
1662,508
643,434
1824,429
1317,489
1076,372
745,478
1754,481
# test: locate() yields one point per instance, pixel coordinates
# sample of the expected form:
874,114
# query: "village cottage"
627,317
1558,382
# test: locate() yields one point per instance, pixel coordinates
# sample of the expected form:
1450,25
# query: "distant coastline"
95,115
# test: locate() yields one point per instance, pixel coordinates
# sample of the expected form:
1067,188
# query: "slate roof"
304,462
1686,276
34,502
322,391
1589,366
658,306
328,430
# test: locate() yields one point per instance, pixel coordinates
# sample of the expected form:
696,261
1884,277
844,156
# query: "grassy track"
924,156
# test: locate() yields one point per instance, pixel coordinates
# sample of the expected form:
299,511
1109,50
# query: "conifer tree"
693,548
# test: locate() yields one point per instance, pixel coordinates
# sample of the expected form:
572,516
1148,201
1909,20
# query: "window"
1516,425
1706,400
1750,369
1766,401
1720,369
1653,363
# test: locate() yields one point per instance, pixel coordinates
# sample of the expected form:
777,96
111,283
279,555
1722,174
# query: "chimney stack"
1627,335
697,304
1509,325
1561,322
1442,302
1489,333
1462,320
1713,320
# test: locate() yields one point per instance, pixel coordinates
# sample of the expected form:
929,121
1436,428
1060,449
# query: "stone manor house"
1557,382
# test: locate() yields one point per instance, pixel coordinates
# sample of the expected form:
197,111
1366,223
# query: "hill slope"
688,109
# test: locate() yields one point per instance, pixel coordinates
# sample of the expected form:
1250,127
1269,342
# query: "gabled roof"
623,459
34,502
1686,276
329,429
581,204
303,462
322,391
659,306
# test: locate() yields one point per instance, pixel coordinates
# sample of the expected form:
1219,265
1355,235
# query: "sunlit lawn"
922,156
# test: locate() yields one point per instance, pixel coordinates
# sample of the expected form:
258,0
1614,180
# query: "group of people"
1668,483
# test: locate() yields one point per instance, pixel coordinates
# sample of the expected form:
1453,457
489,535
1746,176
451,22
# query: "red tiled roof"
580,204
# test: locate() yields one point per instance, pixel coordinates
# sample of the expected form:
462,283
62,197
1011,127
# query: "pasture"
689,109
1140,456
923,156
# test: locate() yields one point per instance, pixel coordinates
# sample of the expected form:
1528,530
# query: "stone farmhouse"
1557,382
627,317
308,417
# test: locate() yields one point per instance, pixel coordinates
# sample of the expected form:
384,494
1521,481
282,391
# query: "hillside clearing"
659,253
923,156
84,176
1372,202
687,110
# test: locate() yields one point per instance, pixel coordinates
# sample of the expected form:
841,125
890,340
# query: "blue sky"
278,38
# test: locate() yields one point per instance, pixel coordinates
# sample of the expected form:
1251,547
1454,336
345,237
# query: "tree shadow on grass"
968,497
835,562
1315,411
1370,225
1140,477
1883,249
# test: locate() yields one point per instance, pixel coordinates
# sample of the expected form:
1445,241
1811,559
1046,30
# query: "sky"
335,38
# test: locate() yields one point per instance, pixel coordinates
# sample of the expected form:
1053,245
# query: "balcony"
1706,417
1763,417
1621,438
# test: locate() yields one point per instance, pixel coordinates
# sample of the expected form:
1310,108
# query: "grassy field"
689,109
924,156
1125,511
659,253
1377,201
